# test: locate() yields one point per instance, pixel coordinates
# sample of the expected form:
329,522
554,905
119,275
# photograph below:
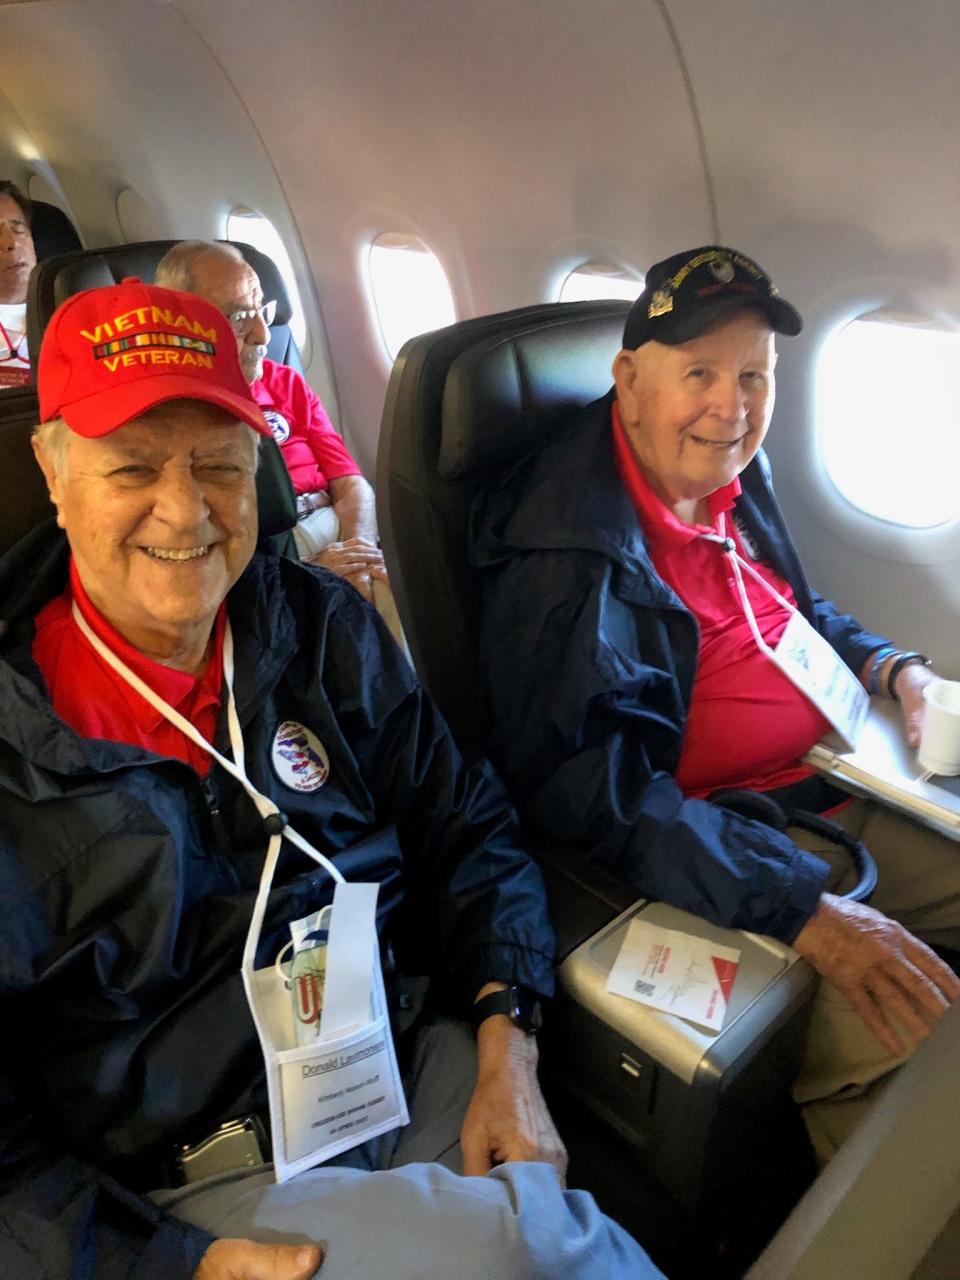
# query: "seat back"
24,502
52,231
464,403
58,278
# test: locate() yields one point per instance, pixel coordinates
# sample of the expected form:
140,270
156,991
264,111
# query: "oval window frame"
844,460
276,249
388,332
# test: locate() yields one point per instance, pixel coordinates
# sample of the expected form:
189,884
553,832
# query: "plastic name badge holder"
343,1088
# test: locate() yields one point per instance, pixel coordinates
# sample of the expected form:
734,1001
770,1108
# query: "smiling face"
697,413
17,254
161,516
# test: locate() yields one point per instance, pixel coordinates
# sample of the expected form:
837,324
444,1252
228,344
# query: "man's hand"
246,1260
911,682
357,560
507,1118
879,966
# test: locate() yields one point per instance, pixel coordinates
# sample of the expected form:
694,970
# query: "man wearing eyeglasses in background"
336,522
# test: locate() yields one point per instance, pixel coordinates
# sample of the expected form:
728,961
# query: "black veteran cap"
684,295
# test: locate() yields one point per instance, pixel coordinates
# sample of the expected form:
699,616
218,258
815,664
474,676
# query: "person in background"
17,259
637,576
336,514
130,858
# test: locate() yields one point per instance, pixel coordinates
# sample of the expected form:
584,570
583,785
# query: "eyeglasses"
241,320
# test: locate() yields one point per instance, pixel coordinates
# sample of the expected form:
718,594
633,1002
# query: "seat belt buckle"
237,1144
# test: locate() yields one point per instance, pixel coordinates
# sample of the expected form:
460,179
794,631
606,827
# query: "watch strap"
521,1006
905,660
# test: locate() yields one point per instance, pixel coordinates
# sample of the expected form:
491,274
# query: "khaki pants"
398,1209
845,1067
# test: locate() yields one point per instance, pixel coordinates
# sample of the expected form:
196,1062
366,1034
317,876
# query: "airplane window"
138,220
250,227
594,281
38,188
410,289
888,418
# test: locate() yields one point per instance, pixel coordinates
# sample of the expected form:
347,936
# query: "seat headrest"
52,231
59,278
501,394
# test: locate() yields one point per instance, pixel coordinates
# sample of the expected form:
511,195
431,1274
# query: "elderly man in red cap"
197,742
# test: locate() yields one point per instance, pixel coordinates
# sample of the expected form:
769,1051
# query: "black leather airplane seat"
723,1141
58,278
53,232
463,403
23,493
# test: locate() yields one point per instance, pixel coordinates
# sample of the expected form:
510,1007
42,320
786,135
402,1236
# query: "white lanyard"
802,654
727,544
14,355
265,806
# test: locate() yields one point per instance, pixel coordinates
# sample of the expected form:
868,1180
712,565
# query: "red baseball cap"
110,354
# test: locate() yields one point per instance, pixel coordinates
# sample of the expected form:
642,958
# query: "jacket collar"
570,496
566,496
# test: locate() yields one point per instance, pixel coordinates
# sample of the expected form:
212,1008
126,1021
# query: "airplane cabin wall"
835,160
518,138
123,100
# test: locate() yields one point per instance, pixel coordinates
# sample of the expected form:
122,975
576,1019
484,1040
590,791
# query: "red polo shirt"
92,698
313,450
747,724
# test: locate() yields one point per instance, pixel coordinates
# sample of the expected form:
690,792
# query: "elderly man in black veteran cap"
188,729
639,584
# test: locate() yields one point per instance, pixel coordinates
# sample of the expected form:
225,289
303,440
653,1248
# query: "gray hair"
53,438
175,268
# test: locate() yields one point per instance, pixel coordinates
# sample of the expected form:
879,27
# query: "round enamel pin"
278,425
299,758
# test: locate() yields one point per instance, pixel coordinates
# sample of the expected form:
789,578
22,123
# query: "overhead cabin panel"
515,139
121,96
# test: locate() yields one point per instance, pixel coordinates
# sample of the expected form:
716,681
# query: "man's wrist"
880,661
515,1003
501,1044
830,908
902,662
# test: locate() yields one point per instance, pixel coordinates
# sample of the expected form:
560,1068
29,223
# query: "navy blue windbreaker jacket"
589,660
127,882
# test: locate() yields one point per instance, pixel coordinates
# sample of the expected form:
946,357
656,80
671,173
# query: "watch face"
527,1013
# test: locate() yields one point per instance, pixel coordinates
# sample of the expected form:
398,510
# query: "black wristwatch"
520,1005
904,660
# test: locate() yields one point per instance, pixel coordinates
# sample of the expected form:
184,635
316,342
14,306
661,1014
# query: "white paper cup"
940,740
